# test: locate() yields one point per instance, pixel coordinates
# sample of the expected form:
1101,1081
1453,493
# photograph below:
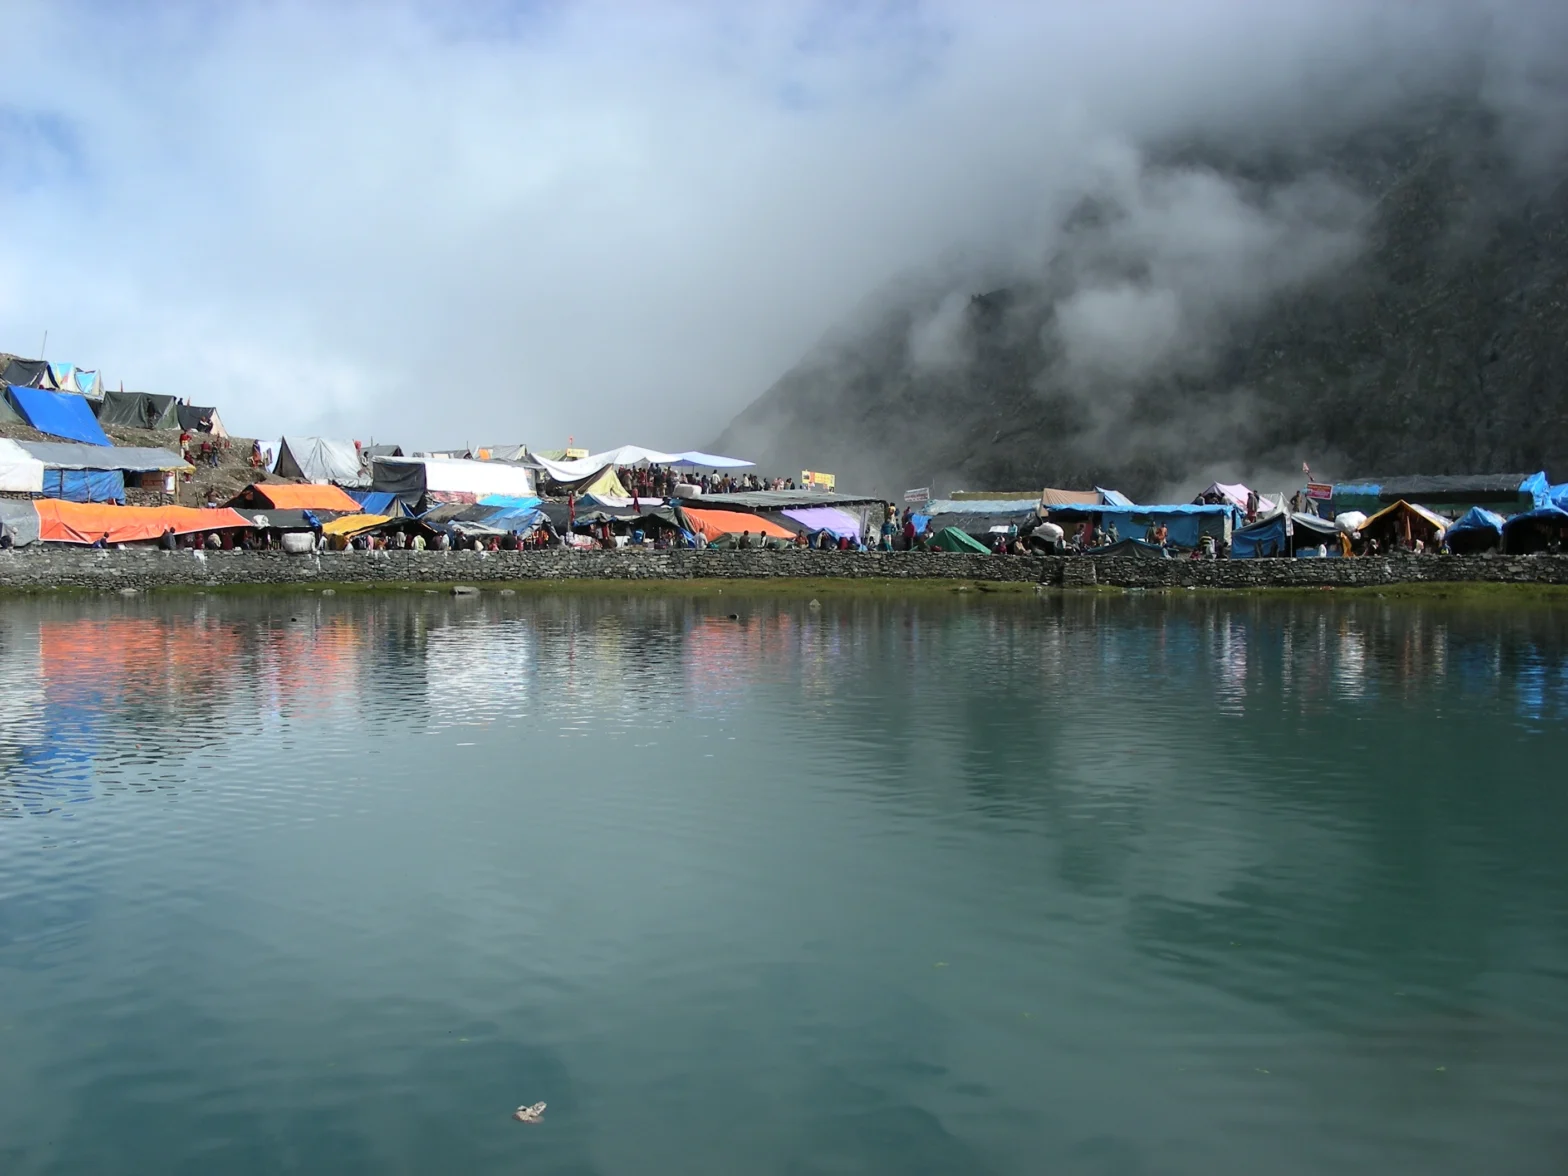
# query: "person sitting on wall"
102,541
167,540
744,542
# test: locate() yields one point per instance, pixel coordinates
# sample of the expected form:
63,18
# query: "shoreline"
33,571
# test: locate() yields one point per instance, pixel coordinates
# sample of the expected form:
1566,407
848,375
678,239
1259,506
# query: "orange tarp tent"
714,523
87,522
289,496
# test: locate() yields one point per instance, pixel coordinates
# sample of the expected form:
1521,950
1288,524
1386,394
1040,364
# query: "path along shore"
145,569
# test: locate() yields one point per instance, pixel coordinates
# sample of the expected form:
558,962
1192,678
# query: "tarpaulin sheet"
20,521
511,501
69,378
20,471
826,518
60,414
85,485
293,496
9,415
317,459
952,539
1183,521
354,524
1236,494
139,410
714,523
79,522
1477,520
195,418
29,373
626,455
1053,497
382,502
131,459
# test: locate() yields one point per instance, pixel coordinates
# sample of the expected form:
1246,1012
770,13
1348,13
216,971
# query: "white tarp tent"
316,459
20,471
454,477
1236,494
629,455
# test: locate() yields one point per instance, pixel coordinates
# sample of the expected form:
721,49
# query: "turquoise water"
950,885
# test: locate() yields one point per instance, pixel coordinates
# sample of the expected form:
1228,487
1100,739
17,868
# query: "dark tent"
371,452
1477,530
9,415
27,373
1542,529
138,410
196,418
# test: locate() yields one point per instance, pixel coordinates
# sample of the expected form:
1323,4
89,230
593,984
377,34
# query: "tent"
9,415
371,452
831,519
978,516
60,414
20,471
1237,495
27,373
1402,523
569,472
85,485
200,420
67,377
715,524
19,519
1478,529
294,496
129,459
1270,536
316,459
355,524
76,522
383,502
1185,523
1535,530
1457,493
1053,497
501,452
956,539
139,410
450,479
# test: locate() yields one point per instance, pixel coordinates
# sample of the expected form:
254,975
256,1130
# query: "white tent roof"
626,455
20,471
317,459
1236,495
456,475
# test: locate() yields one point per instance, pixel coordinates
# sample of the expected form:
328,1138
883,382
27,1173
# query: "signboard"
919,494
815,481
1319,491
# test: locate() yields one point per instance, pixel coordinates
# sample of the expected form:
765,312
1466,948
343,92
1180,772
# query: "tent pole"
44,346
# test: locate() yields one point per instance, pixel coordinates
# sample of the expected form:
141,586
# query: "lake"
952,883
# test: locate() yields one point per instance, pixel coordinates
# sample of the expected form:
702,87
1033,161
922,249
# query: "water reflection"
1082,883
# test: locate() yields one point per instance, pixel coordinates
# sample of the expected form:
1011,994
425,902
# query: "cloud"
619,222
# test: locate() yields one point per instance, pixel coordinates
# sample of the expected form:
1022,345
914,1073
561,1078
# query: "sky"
447,224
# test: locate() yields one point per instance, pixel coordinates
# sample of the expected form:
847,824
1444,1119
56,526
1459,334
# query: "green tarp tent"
139,410
953,539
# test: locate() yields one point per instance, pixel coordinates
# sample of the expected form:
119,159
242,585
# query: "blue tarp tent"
1184,522
1477,530
382,502
1267,537
85,485
60,414
1534,530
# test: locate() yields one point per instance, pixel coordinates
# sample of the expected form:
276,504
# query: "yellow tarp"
354,524
1436,520
606,483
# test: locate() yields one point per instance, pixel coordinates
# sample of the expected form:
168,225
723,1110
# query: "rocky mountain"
1388,298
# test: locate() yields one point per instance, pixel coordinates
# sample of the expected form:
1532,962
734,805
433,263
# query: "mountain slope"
1394,300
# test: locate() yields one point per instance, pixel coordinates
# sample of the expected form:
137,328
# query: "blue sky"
439,224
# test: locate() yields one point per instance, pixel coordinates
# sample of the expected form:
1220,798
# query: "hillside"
1398,303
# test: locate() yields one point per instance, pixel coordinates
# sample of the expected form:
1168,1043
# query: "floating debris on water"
529,1114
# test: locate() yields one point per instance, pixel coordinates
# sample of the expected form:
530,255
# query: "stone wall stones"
43,568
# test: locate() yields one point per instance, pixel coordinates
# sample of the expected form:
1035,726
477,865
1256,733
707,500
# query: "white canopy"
457,475
20,471
317,459
626,455
1236,495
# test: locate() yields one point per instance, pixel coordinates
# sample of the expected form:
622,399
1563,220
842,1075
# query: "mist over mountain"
1372,287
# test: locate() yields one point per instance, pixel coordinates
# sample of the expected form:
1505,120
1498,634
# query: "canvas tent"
76,522
200,420
1237,495
67,377
1535,530
26,373
60,414
1402,523
139,410
1281,534
96,473
450,479
9,415
958,540
832,519
20,471
316,459
294,496
1185,523
19,519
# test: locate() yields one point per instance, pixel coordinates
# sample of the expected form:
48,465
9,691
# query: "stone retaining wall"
42,568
